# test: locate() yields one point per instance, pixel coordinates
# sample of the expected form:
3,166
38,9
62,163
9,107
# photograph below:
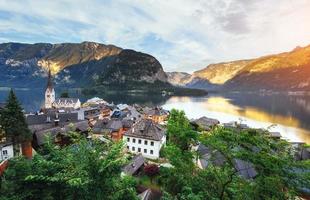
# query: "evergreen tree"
13,122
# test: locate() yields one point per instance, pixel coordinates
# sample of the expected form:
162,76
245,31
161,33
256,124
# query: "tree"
64,94
151,170
85,170
13,122
179,130
278,176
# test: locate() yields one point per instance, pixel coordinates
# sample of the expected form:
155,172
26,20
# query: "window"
5,152
127,147
139,141
151,152
133,148
128,139
134,140
139,149
145,142
152,143
145,150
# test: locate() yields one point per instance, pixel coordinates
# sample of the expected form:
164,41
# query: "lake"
287,114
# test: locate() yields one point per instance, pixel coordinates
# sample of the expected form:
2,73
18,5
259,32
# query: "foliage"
86,170
279,176
12,120
179,131
64,94
151,170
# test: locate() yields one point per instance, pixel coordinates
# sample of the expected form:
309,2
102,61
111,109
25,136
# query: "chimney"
27,149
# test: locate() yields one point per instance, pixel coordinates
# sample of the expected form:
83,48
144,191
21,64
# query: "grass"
146,181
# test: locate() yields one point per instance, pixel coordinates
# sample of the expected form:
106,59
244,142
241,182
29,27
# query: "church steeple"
49,92
49,80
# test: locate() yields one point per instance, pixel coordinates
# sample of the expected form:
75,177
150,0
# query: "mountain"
289,71
75,64
178,78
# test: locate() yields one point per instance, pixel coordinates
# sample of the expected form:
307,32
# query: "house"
58,133
95,101
145,137
207,156
73,103
134,166
205,123
301,151
133,114
114,128
6,151
275,135
150,194
105,112
157,114
50,119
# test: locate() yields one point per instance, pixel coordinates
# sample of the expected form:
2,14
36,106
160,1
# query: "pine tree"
13,122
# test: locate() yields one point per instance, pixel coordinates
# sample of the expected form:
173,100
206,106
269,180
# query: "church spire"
49,92
49,81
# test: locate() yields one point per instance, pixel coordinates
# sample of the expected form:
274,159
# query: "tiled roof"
146,129
81,126
66,100
205,123
155,111
134,165
43,119
207,156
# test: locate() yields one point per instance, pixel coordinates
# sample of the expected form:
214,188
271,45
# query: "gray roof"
205,122
275,134
43,119
134,165
146,129
66,100
150,194
155,111
81,126
245,169
207,156
107,125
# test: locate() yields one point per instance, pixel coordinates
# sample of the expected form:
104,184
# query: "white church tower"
49,92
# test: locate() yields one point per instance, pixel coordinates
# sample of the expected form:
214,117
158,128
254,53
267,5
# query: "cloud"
184,35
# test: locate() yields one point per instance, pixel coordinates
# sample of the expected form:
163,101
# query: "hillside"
75,64
288,71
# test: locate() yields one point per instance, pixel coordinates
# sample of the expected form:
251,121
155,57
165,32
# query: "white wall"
6,152
156,148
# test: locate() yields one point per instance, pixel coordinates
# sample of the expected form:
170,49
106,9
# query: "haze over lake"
289,114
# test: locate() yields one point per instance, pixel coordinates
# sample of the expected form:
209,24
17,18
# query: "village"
142,130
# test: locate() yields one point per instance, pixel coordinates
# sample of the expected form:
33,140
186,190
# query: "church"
61,103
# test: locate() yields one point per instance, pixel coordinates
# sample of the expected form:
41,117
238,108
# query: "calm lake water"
290,115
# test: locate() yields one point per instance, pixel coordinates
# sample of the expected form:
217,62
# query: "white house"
145,137
6,151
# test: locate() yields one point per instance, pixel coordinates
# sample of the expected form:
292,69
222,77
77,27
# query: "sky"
184,35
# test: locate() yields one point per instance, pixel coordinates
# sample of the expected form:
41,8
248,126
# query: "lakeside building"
145,137
63,103
113,129
52,102
157,114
